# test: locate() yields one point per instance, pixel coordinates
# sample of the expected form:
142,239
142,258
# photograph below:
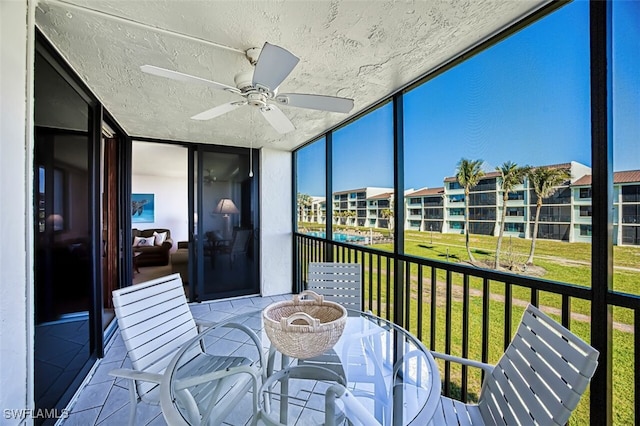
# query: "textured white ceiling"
364,50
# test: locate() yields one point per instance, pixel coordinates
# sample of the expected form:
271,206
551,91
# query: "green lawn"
622,349
559,261
554,260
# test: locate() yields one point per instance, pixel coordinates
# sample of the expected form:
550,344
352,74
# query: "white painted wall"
171,204
16,255
275,221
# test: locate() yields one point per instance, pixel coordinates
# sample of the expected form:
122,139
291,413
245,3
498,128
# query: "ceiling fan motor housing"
244,80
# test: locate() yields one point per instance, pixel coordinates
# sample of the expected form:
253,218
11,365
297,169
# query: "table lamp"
226,207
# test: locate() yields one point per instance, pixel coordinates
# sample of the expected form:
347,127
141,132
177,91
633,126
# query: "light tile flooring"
104,400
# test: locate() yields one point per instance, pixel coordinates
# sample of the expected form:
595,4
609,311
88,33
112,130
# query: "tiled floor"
104,400
61,350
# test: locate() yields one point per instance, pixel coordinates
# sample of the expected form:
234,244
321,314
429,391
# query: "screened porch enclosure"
455,255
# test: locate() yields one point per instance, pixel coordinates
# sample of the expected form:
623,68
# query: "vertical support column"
400,300
193,209
125,156
296,286
96,335
328,146
602,187
398,209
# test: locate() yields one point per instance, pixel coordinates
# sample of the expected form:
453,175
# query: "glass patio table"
377,373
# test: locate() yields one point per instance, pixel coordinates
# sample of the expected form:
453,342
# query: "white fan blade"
175,75
273,66
321,102
277,119
218,111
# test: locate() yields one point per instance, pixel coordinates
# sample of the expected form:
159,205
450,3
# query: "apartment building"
565,215
378,209
360,207
315,211
556,220
626,207
425,210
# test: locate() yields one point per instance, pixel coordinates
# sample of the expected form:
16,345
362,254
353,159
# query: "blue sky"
525,100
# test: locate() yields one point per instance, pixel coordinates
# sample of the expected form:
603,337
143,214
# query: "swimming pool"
338,236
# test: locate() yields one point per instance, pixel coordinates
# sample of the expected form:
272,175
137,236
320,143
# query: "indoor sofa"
155,255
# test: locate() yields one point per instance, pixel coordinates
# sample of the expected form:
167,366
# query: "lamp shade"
56,221
226,206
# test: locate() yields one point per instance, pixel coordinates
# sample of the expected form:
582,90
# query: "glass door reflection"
226,226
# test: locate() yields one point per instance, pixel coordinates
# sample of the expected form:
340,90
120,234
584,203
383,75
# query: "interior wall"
16,258
276,221
171,204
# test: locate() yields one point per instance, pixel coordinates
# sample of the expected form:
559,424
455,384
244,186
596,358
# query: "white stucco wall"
16,258
275,221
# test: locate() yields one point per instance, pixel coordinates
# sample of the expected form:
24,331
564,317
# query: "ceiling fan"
210,177
259,88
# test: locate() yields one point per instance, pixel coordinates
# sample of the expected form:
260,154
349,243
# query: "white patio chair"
342,283
539,379
337,282
279,393
155,322
354,411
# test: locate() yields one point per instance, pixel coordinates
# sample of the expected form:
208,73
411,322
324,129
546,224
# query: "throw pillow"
143,241
160,237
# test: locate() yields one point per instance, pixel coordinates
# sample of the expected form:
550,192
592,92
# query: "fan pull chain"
252,136
251,159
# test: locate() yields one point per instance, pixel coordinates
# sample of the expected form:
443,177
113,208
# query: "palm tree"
468,173
511,175
304,200
337,215
388,214
544,181
348,214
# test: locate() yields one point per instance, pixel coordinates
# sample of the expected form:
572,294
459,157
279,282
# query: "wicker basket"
304,328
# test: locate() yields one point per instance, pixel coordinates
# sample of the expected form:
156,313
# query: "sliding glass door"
225,223
66,326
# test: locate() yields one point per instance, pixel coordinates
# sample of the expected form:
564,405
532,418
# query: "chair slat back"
154,320
337,282
240,240
541,375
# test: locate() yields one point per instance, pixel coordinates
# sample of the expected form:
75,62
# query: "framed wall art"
142,208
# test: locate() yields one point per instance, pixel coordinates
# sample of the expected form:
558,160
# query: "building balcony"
516,203
431,318
582,219
515,219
